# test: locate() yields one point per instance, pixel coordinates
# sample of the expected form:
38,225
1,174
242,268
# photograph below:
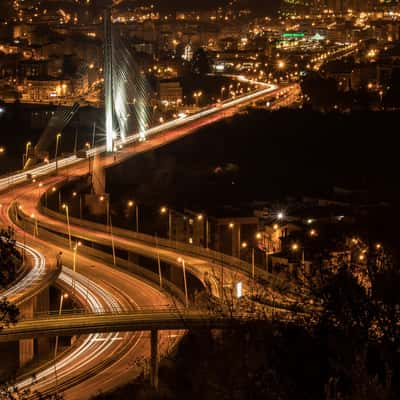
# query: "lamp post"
62,297
296,247
65,207
164,210
77,244
35,226
25,154
201,218
158,262
87,147
102,198
231,225
132,203
197,96
40,184
181,260
260,235
58,137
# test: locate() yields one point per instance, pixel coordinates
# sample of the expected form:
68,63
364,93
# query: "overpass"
159,136
102,322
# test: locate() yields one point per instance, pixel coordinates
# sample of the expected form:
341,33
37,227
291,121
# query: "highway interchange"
86,367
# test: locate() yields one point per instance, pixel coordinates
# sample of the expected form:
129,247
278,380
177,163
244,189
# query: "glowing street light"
281,64
58,137
182,261
35,226
62,297
164,210
197,96
77,244
65,207
131,203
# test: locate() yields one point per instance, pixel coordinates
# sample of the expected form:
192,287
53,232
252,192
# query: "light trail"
44,169
37,272
94,346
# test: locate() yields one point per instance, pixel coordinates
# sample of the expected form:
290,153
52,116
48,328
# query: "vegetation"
10,258
348,349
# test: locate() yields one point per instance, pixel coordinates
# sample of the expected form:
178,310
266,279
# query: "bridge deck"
73,324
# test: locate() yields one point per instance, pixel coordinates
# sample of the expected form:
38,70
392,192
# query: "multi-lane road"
106,288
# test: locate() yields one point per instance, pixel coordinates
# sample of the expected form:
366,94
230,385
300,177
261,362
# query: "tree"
8,313
10,258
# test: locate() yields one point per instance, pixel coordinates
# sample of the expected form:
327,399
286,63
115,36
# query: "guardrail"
24,221
18,177
49,279
207,254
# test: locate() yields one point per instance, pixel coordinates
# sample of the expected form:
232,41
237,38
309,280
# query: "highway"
203,117
100,289
142,320
128,292
36,273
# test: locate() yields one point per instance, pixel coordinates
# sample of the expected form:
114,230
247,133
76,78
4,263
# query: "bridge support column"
42,304
26,346
154,358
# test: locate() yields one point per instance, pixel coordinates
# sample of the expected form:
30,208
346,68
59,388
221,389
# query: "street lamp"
181,260
197,96
201,218
102,198
132,203
259,236
2,150
35,226
164,210
65,207
295,247
77,244
25,155
58,137
62,297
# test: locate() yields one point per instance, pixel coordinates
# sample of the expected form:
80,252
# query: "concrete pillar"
99,176
42,304
154,358
26,351
26,346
